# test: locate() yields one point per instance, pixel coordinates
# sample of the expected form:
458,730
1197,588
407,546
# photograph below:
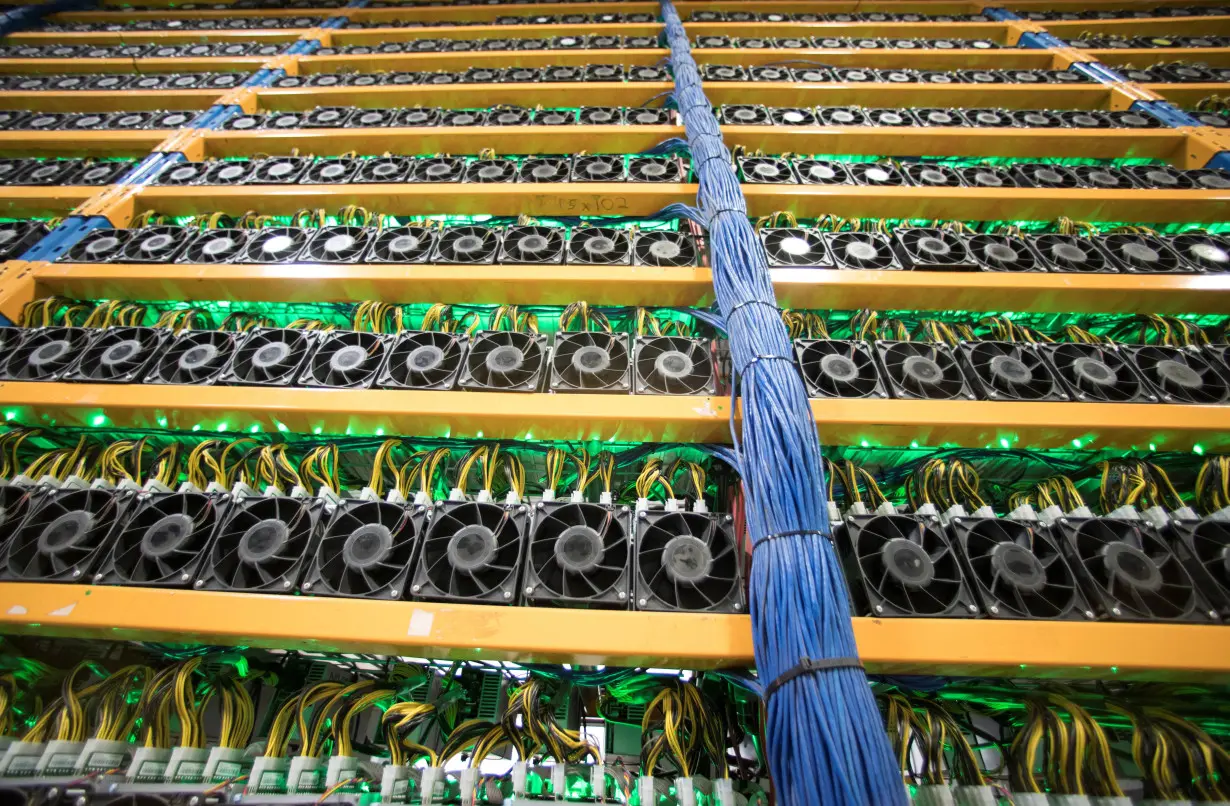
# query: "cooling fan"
262,545
598,168
532,245
928,249
418,116
276,245
898,565
284,120
505,361
216,246
877,174
1181,376
834,368
1011,371
44,121
119,355
182,173
45,174
162,541
1127,119
230,172
1102,178
270,357
687,561
916,370
195,357
438,169
1002,253
1202,252
862,250
345,360
365,551
1128,572
578,555
555,117
423,359
823,172
986,176
47,353
330,172
723,72
65,534
1097,372
1068,253
989,118
766,73
471,553
600,116
848,75
1018,571
487,171
766,170
1158,177
18,236
16,501
654,169
402,245
1037,119
1142,254
1209,178
337,245
929,175
508,116
650,117
889,117
563,73
472,245
327,117
673,365
664,248
591,362
1202,547
1045,176
939,117
792,116
102,173
544,169
811,75
603,72
599,246
795,246
382,170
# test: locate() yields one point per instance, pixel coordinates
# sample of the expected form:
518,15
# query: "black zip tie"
747,302
697,166
810,666
796,533
748,365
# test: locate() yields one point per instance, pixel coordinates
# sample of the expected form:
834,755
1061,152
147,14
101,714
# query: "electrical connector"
468,785
268,774
549,495
673,505
304,775
431,786
519,771
597,782
645,789
723,792
21,759
60,758
340,768
187,765
933,794
559,780
100,755
685,791
148,765
223,764
976,795
456,494
394,783
483,497
606,499
1025,512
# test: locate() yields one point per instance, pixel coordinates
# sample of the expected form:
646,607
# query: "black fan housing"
654,169
766,170
471,553
1068,253
276,245
262,545
1179,375
504,361
337,245
598,168
346,359
664,248
1202,252
1002,253
1203,547
532,245
365,551
98,246
47,353
673,365
402,245
916,370
1097,372
1143,254
833,368
65,534
473,245
423,359
578,555
823,172
928,249
862,250
270,357
216,246
163,540
1011,371
687,561
795,246
591,362
492,170
599,246
119,355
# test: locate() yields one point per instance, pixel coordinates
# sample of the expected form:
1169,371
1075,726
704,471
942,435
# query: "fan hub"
932,176
367,545
988,118
599,168
907,562
1209,253
468,244
231,172
198,356
1179,374
505,358
1132,566
745,114
673,364
578,549
932,245
529,244
652,168
219,245
1068,253
1213,181
333,171
891,119
1103,179
839,368
262,540
166,535
1161,178
65,532
270,355
120,352
822,173
156,243
598,245
1010,370
939,118
472,547
507,118
1140,252
793,117
1036,119
876,175
347,358
591,359
1000,253
328,116
403,244
766,170
842,116
922,370
861,251
687,559
1086,121
1135,121
49,353
7,235
384,168
369,118
492,171
277,245
338,244
794,245
600,116
102,246
1048,176
417,117
1019,566
645,117
552,119
544,170
424,358
1091,370
664,249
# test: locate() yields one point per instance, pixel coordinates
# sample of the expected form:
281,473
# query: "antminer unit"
795,246
163,540
921,371
270,357
119,355
157,244
673,365
262,545
1010,371
532,245
926,249
902,566
591,362
687,561
599,246
194,358
579,555
504,361
47,353
1103,373
346,359
423,359
1180,375
472,552
836,368
65,534
1003,253
365,551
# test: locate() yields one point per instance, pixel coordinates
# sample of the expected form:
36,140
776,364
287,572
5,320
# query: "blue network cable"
825,740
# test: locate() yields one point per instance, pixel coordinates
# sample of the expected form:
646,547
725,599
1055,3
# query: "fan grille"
64,535
1011,371
686,561
591,362
194,357
119,355
904,566
164,540
838,369
917,370
423,360
262,544
578,554
345,360
471,552
673,365
1018,571
501,360
365,551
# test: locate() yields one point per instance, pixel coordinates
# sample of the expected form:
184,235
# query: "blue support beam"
1220,162
1039,41
65,237
1166,112
1001,14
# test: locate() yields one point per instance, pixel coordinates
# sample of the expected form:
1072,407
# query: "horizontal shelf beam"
977,424
43,202
1155,26
393,33
490,415
176,36
109,143
162,65
921,59
634,198
464,96
460,61
1187,96
633,285
1115,57
974,647
125,14
1011,96
110,101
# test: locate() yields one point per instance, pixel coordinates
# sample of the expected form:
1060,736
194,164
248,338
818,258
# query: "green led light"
865,444
1003,442
1198,450
379,432
1076,443
255,429
196,427
98,419
10,414
162,421
914,444
318,430
221,426
1152,446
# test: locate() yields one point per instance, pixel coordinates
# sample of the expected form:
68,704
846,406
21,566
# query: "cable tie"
723,157
810,666
796,533
747,302
748,365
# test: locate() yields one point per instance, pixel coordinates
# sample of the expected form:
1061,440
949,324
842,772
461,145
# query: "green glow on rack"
1076,443
1198,449
10,414
255,429
98,420
221,426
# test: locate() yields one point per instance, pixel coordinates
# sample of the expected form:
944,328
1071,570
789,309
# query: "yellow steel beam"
168,65
633,198
975,647
922,59
464,96
16,289
114,15
1152,26
615,285
112,143
43,202
176,36
493,415
1115,57
1012,96
460,61
108,101
1187,96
